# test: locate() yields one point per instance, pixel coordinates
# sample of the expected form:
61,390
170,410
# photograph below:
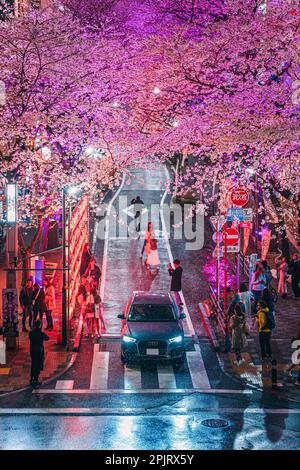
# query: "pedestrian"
176,282
92,299
267,272
147,237
37,352
236,300
85,259
239,332
99,319
265,325
50,303
39,303
246,297
290,367
94,273
282,268
295,272
258,283
26,298
152,260
138,207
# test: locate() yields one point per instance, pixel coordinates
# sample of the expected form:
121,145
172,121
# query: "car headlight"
128,339
176,339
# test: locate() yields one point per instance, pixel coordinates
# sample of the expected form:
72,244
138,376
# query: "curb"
47,381
78,336
211,334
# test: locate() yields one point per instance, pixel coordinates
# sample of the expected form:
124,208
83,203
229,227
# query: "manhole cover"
215,423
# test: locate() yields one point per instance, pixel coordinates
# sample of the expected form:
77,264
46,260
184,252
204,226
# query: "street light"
156,90
71,190
252,172
11,243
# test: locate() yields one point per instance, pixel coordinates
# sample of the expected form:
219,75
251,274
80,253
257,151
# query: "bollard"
274,373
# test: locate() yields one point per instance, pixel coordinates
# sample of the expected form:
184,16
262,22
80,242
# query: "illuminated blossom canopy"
145,79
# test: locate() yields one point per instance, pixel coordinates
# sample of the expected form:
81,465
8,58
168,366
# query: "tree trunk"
284,241
26,251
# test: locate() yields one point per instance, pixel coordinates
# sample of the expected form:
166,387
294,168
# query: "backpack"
270,320
269,276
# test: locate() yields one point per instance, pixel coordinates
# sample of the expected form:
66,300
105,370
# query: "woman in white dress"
152,255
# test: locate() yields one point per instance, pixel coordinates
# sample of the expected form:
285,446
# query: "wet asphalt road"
224,416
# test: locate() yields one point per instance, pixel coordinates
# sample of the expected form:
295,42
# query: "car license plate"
152,352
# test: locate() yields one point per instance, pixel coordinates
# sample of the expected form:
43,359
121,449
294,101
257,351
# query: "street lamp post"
64,282
12,233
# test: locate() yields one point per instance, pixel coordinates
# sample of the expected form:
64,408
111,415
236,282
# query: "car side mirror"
121,316
182,316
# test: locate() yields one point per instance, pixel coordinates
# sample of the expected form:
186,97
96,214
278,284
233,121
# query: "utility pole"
64,282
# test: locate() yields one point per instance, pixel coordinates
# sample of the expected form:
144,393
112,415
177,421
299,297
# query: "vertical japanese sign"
265,242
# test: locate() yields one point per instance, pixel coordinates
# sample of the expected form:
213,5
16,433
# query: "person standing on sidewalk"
295,272
246,297
265,326
94,273
39,303
239,332
50,303
258,283
26,298
282,268
176,282
85,259
267,272
37,352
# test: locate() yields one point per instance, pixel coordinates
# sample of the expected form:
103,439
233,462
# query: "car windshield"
152,313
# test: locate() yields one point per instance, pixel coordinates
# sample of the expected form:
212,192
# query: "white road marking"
99,374
64,385
132,378
87,391
166,376
188,318
106,241
173,412
197,368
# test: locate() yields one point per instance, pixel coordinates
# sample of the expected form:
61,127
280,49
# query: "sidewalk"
15,374
252,372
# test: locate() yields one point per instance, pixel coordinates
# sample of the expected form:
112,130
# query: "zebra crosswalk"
108,373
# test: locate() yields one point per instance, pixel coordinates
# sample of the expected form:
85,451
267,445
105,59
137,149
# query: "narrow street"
101,404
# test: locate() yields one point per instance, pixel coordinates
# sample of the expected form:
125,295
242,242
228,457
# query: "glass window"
152,313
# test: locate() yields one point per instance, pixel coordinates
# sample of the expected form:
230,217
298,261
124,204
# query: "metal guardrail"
219,314
245,265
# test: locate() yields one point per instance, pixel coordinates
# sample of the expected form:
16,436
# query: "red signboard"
231,236
239,196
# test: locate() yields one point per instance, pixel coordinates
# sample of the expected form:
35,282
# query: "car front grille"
161,345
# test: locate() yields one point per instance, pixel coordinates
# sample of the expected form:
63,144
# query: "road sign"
231,248
231,236
240,214
239,196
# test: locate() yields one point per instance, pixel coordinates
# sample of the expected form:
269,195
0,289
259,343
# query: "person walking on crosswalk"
37,352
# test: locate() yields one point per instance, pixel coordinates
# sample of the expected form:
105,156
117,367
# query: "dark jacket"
37,338
176,278
26,296
294,269
39,300
85,260
95,273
